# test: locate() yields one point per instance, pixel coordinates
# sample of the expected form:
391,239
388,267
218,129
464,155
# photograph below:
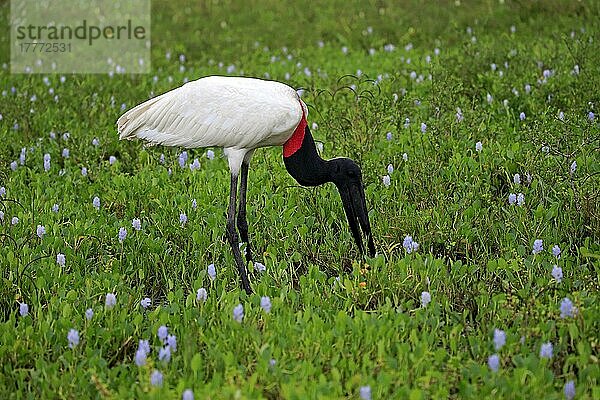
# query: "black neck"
305,165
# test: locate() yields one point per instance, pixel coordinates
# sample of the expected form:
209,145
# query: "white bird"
241,115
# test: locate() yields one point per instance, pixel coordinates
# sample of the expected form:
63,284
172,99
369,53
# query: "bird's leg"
242,222
233,237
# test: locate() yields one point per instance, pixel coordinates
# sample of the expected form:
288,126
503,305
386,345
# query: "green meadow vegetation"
442,103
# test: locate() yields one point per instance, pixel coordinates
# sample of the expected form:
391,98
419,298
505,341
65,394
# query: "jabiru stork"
240,115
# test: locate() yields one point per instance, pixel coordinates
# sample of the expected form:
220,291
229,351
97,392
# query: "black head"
347,177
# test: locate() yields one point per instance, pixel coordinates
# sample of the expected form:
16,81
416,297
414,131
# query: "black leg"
233,237
242,223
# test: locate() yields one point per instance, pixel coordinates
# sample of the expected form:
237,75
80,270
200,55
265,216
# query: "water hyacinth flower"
212,272
459,115
390,169
238,313
425,299
46,162
546,350
489,98
557,273
14,220
164,354
140,357
187,395
365,392
55,208
84,171
499,339
122,234
112,160
423,127
478,146
172,342
96,202
388,136
265,303
520,199
195,165
201,295
409,244
494,362
182,219
591,116
23,309
517,179
1,216
111,300
60,259
145,303
405,157
556,251
573,167
73,338
522,116
156,379
210,154
89,314
162,333
538,246
512,199
137,224
41,231
569,390
194,204
260,267
567,309
272,362
13,165
386,181
65,153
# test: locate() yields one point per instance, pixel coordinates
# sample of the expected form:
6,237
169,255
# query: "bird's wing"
216,111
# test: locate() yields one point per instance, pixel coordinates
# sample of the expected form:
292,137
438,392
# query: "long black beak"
355,206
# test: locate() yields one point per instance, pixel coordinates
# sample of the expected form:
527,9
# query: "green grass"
328,337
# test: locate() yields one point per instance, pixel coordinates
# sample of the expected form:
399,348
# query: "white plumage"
238,114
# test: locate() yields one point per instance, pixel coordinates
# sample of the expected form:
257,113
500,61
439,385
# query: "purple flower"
522,116
489,98
162,159
388,136
73,338
55,208
567,309
84,171
137,224
14,220
409,244
210,154
556,251
459,115
195,165
65,153
164,354
201,295
390,169
144,345
365,392
405,157
538,246
238,313
517,179
23,309
60,259
259,267
591,116
111,300
156,379
96,202
162,333
140,357
423,127
112,160
272,362
41,231
386,181
182,218
499,339
520,199
145,303
1,215
212,273
194,204
46,162
573,167
512,199
122,234
561,115
89,314
265,303
569,390
13,165
95,142
182,159
478,146
546,350
187,395
425,299
494,362
557,273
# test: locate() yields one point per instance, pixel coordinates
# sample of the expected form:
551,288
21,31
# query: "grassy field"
457,98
